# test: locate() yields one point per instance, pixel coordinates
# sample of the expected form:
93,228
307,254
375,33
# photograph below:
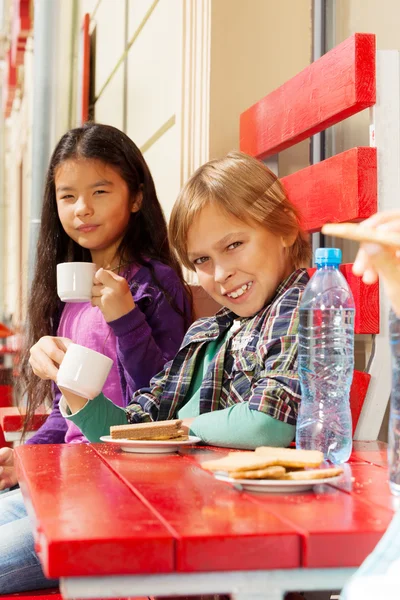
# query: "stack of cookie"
157,431
273,463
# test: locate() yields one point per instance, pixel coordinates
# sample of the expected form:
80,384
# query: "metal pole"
44,33
317,146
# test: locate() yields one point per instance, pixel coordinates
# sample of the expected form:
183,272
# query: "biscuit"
268,473
158,430
313,474
291,458
239,461
352,231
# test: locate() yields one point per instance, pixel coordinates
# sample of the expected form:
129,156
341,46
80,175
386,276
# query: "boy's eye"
234,245
100,192
201,260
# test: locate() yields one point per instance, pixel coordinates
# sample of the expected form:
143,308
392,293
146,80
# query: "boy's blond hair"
245,188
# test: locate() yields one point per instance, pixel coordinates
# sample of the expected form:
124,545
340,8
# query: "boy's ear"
289,240
137,204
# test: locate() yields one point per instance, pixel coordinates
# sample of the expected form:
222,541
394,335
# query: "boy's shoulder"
289,292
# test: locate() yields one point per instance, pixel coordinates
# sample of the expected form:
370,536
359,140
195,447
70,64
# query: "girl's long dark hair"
145,237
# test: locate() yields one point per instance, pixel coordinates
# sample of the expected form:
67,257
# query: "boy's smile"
240,264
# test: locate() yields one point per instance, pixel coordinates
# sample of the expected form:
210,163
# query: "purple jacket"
147,338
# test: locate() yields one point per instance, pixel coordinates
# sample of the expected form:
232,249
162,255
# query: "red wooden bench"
11,423
342,188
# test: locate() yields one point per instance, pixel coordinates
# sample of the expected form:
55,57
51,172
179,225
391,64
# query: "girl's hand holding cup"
112,295
46,356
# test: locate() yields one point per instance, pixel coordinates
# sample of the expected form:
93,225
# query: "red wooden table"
116,524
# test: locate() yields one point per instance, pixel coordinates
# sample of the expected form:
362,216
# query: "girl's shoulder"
157,274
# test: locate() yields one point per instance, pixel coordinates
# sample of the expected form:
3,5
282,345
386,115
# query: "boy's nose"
222,273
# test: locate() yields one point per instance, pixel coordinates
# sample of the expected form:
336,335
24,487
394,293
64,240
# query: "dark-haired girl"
100,205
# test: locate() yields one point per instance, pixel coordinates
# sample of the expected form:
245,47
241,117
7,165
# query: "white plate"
149,446
275,486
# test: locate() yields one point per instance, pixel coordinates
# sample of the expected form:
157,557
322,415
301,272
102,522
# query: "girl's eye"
67,197
234,245
100,192
201,260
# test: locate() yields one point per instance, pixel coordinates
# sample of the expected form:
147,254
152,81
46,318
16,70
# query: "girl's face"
239,264
94,205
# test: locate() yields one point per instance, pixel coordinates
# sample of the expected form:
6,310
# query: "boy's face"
239,264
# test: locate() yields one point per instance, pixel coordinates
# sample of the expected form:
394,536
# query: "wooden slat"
216,528
87,521
336,86
12,419
341,188
366,299
358,391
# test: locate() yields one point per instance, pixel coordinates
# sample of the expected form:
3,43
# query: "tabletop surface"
100,511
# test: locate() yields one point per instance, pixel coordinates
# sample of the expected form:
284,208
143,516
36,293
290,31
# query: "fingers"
108,279
388,219
46,355
42,366
6,457
8,478
106,282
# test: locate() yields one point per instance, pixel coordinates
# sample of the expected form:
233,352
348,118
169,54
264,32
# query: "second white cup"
83,371
75,281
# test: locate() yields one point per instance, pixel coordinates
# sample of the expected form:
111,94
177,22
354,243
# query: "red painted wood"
87,521
6,395
336,86
358,391
12,419
366,299
215,527
49,594
52,594
339,189
369,483
338,528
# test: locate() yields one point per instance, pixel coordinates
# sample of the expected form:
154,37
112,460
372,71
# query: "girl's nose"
83,208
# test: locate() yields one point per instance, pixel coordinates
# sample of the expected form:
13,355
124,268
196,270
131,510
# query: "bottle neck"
328,267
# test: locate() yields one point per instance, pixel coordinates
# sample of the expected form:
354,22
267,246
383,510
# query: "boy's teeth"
239,292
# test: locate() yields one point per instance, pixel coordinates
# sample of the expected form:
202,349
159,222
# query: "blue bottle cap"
328,257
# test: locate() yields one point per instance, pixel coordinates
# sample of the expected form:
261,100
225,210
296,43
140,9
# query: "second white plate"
276,486
150,446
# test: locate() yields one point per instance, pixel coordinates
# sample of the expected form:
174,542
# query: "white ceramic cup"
75,281
83,371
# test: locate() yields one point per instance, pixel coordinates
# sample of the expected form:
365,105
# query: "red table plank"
216,527
87,521
334,87
340,529
370,484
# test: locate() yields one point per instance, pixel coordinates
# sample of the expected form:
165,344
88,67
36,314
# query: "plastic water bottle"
394,420
326,360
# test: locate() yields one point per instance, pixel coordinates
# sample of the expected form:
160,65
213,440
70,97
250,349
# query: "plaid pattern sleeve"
276,392
145,403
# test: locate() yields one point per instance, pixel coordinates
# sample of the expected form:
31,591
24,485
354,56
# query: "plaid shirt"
257,363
